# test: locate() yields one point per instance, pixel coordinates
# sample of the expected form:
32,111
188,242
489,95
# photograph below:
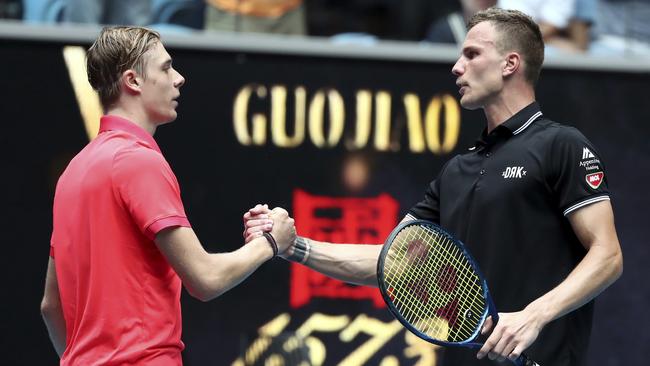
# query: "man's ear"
131,81
512,64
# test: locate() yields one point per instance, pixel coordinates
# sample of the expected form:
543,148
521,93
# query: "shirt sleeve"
577,173
145,184
429,208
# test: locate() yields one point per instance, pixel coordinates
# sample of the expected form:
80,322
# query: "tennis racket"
432,285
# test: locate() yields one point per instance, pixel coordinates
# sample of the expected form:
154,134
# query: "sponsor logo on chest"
514,172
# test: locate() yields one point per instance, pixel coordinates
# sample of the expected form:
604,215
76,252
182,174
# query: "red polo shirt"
120,297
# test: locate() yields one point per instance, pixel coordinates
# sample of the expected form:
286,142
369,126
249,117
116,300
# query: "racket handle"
523,360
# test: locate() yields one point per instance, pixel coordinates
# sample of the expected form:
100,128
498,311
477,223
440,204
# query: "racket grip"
523,360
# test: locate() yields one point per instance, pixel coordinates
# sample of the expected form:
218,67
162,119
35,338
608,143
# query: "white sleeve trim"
585,203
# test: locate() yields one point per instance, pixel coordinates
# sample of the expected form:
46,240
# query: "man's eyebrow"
470,48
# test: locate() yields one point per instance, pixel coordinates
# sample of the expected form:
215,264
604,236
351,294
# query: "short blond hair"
517,32
116,50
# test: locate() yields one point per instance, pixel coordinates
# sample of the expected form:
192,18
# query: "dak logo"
513,172
594,179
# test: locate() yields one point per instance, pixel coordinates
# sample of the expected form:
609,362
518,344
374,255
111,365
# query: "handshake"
261,221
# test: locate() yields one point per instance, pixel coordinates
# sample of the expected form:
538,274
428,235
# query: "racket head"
432,285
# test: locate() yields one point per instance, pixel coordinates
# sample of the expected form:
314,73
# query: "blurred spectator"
370,18
553,16
177,15
582,22
10,9
121,12
452,28
563,28
43,11
600,27
259,16
622,27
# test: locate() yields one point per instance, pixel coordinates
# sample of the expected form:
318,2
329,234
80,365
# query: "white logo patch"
514,172
589,160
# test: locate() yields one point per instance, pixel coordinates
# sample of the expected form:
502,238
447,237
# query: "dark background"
42,130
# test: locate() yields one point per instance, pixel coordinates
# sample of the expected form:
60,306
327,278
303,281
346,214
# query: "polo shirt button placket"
482,172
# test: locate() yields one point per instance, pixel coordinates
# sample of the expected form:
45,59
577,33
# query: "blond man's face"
161,87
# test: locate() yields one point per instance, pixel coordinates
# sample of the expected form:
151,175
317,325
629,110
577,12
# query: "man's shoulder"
134,151
133,160
553,130
454,162
458,157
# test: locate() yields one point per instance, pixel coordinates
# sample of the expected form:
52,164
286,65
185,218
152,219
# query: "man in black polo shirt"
530,200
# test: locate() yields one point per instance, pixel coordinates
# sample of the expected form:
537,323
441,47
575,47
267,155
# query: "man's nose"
458,68
180,80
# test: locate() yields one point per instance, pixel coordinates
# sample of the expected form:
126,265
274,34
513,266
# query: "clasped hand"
260,219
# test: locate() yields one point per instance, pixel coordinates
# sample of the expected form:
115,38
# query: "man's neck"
506,105
136,118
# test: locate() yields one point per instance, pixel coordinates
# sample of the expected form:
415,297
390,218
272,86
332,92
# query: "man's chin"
169,119
469,104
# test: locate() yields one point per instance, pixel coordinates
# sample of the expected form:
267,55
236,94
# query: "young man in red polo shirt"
121,242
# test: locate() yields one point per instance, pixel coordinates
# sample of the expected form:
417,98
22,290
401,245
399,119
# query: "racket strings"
471,301
419,293
433,285
407,272
466,285
449,312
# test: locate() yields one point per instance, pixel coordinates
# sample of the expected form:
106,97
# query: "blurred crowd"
600,27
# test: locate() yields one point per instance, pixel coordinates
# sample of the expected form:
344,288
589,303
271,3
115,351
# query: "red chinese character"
338,220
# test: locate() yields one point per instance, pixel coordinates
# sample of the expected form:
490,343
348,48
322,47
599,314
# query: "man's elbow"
617,265
203,292
49,308
612,265
206,283
200,295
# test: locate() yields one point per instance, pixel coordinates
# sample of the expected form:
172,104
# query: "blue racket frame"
490,309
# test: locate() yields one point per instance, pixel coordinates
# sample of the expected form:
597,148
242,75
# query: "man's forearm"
352,263
55,324
230,269
597,270
601,266
52,310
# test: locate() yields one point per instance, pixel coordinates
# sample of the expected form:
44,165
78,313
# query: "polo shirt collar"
512,126
115,123
522,119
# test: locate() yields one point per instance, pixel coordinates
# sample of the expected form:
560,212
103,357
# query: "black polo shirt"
507,199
